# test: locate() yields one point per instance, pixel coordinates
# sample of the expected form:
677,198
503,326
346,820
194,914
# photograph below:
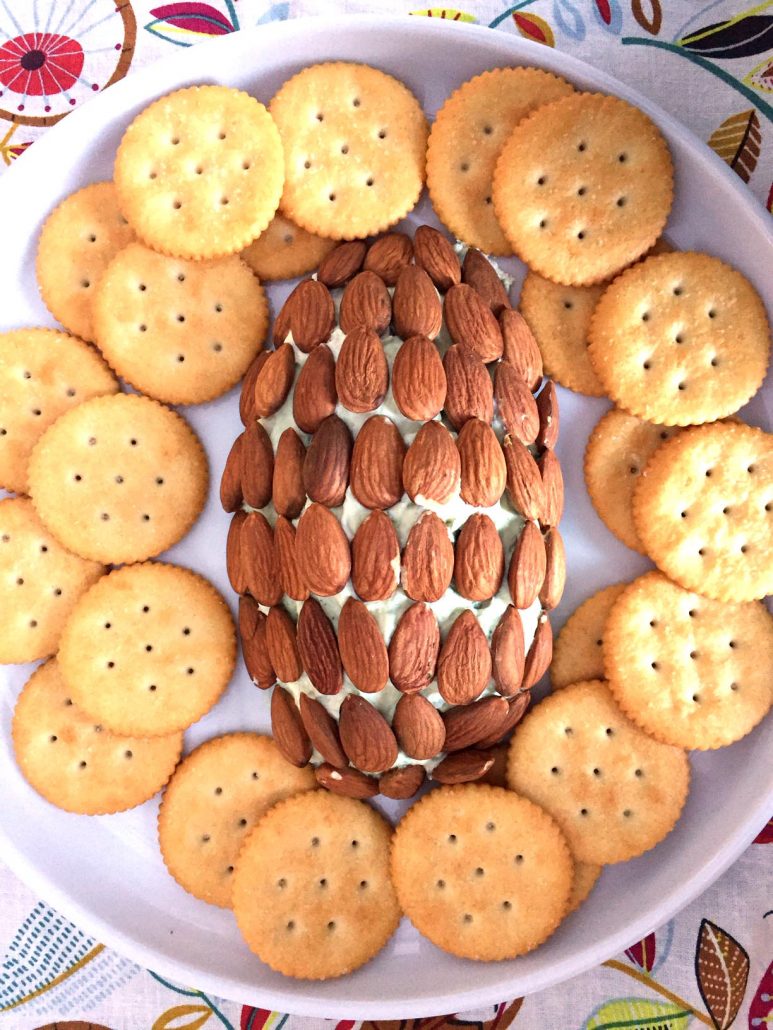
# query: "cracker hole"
599,643
638,773
356,102
568,305
518,859
488,200
92,238
480,871
683,514
582,191
20,582
180,358
744,548
363,885
229,869
105,516
189,671
701,551
382,134
53,738
621,201
582,147
487,130
177,205
452,838
315,842
128,754
555,770
148,647
307,165
82,765
583,811
678,291
369,181
108,625
5,538
714,362
622,158
175,141
541,181
221,135
152,688
57,591
218,308
692,613
679,338
711,313
133,441
142,328
159,480
291,925
320,116
568,731
119,479
152,175
111,665
36,412
693,655
653,624
734,686
682,386
696,698
287,238
3,432
440,884
491,827
331,197
543,223
750,469
331,926
726,510
242,822
627,813
181,318
655,666
323,882
68,702
609,731
581,234
281,883
33,623
246,165
85,283
199,170
731,643
205,838
217,347
645,316
633,470
218,791
70,391
186,631
26,375
597,772
145,609
467,918
43,548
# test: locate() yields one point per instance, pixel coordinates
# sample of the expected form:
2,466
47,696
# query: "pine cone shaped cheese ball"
395,498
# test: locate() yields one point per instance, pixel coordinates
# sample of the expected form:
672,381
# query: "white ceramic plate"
105,873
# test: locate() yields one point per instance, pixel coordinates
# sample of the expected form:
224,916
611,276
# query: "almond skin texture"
322,551
553,483
434,253
547,407
289,494
416,307
293,583
326,466
282,645
388,256
520,349
515,712
252,631
469,391
401,784
517,407
257,466
323,730
318,648
463,766
524,482
432,468
464,666
237,573
362,648
483,468
527,567
366,736
413,650
377,463
347,781
375,558
257,557
315,393
365,302
479,273
469,724
342,264
508,653
479,562
419,379
287,728
361,372
274,380
471,323
419,727
247,395
281,326
428,559
540,654
231,480
312,315
555,570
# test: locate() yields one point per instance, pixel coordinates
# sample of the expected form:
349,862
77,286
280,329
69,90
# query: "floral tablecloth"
711,65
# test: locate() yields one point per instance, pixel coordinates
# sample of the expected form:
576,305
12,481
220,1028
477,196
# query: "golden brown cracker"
578,649
284,250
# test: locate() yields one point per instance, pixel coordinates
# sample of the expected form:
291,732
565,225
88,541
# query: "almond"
365,303
237,574
434,253
366,736
553,482
419,727
377,463
524,482
318,648
231,480
388,256
375,558
479,560
547,407
418,379
312,315
432,467
315,394
258,559
293,583
469,392
361,372
342,264
468,724
252,631
257,466
483,471
323,730
527,567
401,784
555,570
281,329
289,494
515,712
508,653
247,395
471,323
416,307
413,650
362,648
479,273
520,347
326,466
274,380
517,407
464,665
289,734
282,645
349,782
428,559
463,766
322,551
539,655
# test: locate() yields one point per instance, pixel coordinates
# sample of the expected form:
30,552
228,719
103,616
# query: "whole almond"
274,380
362,647
479,273
419,727
377,463
326,466
416,307
237,573
419,379
517,407
401,784
434,253
365,303
257,466
361,372
323,730
375,558
312,315
483,471
258,559
555,570
516,710
432,467
231,479
463,766
527,567
288,491
318,648
524,482
413,650
252,632
508,653
553,482
287,728
464,665
471,323
351,783
247,395
282,645
469,391
428,559
547,407
281,328
540,653
479,559
342,264
293,583
520,348
469,724
322,550
388,256
366,736
315,393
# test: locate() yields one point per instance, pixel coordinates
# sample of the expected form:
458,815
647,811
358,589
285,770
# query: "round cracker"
616,455
148,649
354,141
78,240
77,764
613,790
215,797
482,873
43,373
583,187
312,894
284,250
199,172
680,338
578,649
183,332
585,879
40,583
466,137
704,511
690,671
119,479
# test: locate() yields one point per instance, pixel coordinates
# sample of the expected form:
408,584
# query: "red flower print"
40,64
